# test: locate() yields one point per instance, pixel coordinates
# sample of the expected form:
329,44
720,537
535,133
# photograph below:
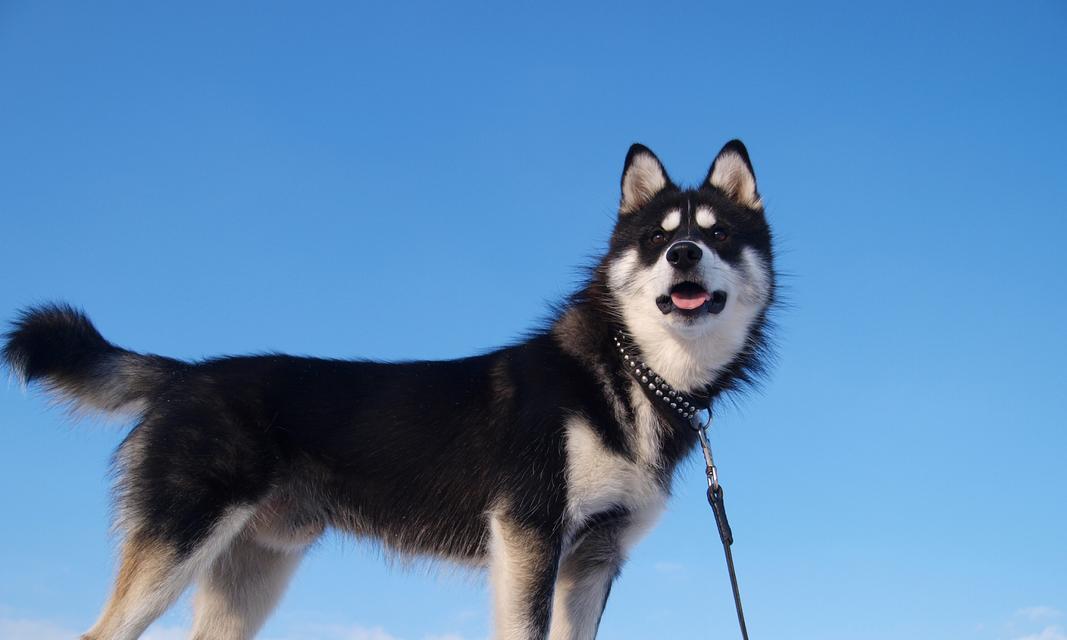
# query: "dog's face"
695,265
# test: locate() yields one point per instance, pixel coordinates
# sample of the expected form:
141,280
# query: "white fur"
688,354
240,589
705,218
732,175
671,220
272,526
644,178
648,434
578,601
598,479
509,568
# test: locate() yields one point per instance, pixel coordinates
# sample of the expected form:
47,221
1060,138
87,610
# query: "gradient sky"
206,179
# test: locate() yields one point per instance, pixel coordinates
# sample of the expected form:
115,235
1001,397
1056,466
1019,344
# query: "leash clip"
711,471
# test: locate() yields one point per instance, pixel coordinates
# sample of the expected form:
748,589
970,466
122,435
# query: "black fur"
54,340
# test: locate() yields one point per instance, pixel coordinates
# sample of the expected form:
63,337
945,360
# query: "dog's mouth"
689,298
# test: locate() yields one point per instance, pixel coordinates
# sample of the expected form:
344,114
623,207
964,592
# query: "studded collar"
669,399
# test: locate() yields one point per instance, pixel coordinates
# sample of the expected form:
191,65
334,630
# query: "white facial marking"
690,352
757,287
671,220
705,218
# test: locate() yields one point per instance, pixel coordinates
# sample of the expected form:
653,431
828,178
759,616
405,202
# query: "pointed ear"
732,174
642,178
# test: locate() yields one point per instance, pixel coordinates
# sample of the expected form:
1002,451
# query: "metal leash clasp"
705,446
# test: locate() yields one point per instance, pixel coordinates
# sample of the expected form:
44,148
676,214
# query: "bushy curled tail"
57,346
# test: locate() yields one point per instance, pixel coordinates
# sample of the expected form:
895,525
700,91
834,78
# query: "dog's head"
690,271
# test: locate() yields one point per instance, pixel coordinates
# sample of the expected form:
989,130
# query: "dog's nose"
683,255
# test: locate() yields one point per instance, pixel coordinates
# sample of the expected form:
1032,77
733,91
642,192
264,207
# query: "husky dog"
545,460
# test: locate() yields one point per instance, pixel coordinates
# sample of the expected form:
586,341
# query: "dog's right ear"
642,178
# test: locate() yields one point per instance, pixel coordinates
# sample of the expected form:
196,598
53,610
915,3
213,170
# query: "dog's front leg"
522,564
585,576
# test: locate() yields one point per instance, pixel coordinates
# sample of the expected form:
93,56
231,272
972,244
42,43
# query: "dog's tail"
57,346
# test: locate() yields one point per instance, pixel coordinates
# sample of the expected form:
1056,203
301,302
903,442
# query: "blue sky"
209,179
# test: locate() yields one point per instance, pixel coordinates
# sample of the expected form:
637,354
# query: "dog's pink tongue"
689,301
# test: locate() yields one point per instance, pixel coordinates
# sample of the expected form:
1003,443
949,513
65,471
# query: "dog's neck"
588,329
678,404
689,365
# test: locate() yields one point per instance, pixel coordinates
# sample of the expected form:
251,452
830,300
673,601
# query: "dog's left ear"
732,174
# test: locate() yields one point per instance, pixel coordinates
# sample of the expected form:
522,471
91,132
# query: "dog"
545,461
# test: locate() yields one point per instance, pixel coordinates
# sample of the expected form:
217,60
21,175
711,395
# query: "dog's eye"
658,238
720,234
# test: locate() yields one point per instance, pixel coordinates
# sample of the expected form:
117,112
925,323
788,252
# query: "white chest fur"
599,479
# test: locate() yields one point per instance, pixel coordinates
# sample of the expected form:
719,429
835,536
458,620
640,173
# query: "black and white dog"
545,460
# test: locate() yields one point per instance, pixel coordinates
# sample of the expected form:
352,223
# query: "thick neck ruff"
663,395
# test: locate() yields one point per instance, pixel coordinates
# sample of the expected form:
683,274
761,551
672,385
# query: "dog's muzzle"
690,299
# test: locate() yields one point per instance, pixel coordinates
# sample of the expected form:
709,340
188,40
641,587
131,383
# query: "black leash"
719,509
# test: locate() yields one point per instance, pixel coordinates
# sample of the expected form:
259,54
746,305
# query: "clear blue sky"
209,180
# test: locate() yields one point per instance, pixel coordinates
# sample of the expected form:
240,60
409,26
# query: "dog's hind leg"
154,572
240,589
